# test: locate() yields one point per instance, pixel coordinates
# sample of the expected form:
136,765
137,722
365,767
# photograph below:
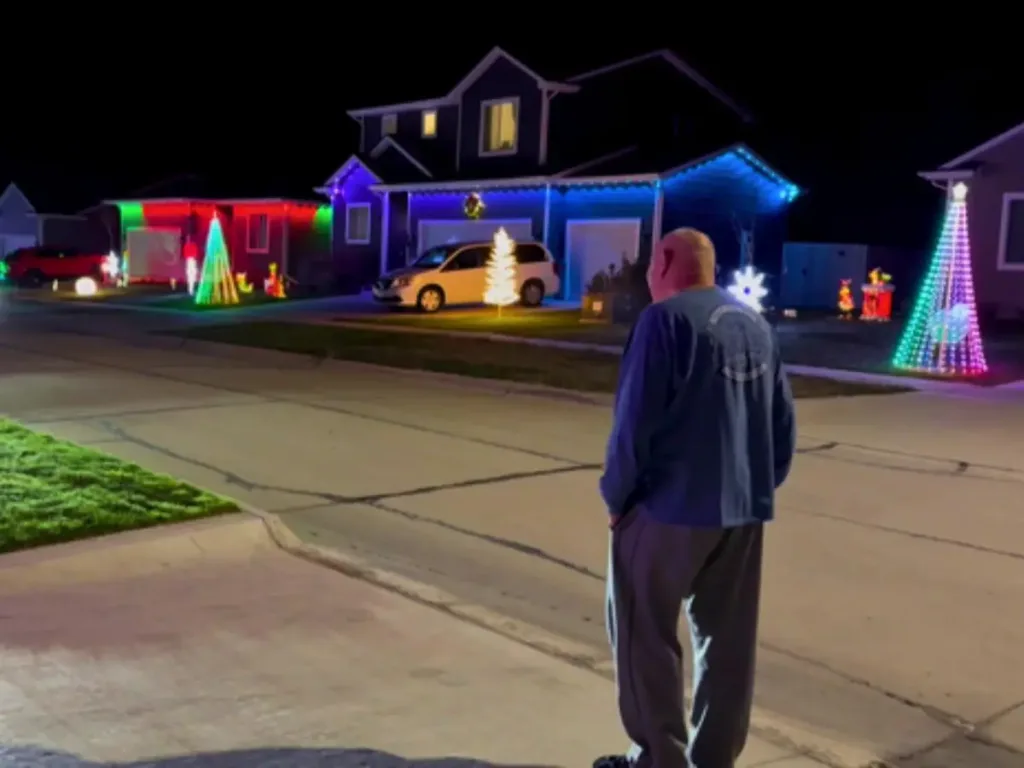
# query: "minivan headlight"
403,282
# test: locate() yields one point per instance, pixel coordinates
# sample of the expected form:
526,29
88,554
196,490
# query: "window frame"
349,209
455,257
423,124
264,218
391,118
1009,200
545,257
485,107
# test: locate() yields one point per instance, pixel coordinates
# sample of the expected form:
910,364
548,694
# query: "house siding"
356,265
410,128
17,216
600,204
298,234
309,262
503,79
448,206
723,195
998,292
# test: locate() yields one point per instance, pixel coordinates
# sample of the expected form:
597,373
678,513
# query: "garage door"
435,232
593,246
155,255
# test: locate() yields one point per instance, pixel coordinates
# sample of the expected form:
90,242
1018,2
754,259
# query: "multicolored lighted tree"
216,283
943,336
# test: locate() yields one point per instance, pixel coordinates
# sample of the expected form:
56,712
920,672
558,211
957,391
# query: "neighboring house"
554,160
811,272
157,234
21,226
994,175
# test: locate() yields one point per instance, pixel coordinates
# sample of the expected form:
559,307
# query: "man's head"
684,259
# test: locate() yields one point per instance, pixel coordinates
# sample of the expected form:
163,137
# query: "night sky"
851,121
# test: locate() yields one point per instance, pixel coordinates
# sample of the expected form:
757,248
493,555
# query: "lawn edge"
886,386
225,506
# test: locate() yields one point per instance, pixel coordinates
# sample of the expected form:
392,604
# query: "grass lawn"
565,325
481,358
187,303
53,491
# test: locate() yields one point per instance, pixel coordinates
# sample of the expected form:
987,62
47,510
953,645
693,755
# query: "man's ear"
667,261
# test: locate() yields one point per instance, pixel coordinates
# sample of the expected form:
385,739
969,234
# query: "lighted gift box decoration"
877,292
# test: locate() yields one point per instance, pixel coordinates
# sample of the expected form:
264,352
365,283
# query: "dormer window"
499,127
429,123
389,125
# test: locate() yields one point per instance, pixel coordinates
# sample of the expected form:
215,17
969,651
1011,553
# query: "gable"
1007,146
14,203
396,164
668,62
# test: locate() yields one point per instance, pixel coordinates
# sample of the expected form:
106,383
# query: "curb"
578,654
911,383
775,732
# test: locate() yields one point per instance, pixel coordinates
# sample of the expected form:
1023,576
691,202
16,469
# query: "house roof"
677,63
631,165
13,191
973,154
453,96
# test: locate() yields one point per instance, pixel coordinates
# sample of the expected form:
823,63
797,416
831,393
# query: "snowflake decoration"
748,287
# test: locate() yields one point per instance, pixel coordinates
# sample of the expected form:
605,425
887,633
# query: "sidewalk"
206,646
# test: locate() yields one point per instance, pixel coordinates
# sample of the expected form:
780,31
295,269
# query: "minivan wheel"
430,299
532,293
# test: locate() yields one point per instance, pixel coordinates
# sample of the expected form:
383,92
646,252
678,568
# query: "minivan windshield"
434,257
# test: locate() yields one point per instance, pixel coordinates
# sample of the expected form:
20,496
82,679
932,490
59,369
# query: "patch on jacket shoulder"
742,342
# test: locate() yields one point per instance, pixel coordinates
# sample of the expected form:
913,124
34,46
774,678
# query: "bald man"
703,434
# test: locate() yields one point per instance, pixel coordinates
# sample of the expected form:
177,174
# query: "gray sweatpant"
653,569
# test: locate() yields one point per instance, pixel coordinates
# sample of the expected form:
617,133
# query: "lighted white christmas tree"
501,272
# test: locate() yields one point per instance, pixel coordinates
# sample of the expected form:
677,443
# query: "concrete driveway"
892,624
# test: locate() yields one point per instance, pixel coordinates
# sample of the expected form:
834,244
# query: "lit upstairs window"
499,123
429,123
389,125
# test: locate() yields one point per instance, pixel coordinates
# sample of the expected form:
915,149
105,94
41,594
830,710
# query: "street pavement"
895,574
204,646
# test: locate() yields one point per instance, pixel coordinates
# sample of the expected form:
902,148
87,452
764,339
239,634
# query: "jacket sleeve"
783,425
640,402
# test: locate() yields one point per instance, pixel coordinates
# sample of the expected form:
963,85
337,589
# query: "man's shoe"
612,761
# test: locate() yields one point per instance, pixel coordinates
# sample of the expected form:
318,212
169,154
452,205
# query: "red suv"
39,264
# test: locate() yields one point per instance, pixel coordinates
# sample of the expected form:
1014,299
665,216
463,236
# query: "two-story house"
597,166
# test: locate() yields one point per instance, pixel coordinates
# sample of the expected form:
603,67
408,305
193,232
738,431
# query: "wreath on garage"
473,206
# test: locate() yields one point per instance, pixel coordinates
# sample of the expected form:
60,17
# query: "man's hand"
614,521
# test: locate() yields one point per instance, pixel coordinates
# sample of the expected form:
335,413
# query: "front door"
463,278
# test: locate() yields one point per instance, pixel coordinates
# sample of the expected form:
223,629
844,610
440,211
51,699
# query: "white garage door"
435,232
155,254
593,246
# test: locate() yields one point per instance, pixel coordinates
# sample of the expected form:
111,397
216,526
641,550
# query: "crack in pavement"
232,478
313,406
139,412
908,534
948,719
928,457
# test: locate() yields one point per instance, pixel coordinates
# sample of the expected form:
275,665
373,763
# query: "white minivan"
456,273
